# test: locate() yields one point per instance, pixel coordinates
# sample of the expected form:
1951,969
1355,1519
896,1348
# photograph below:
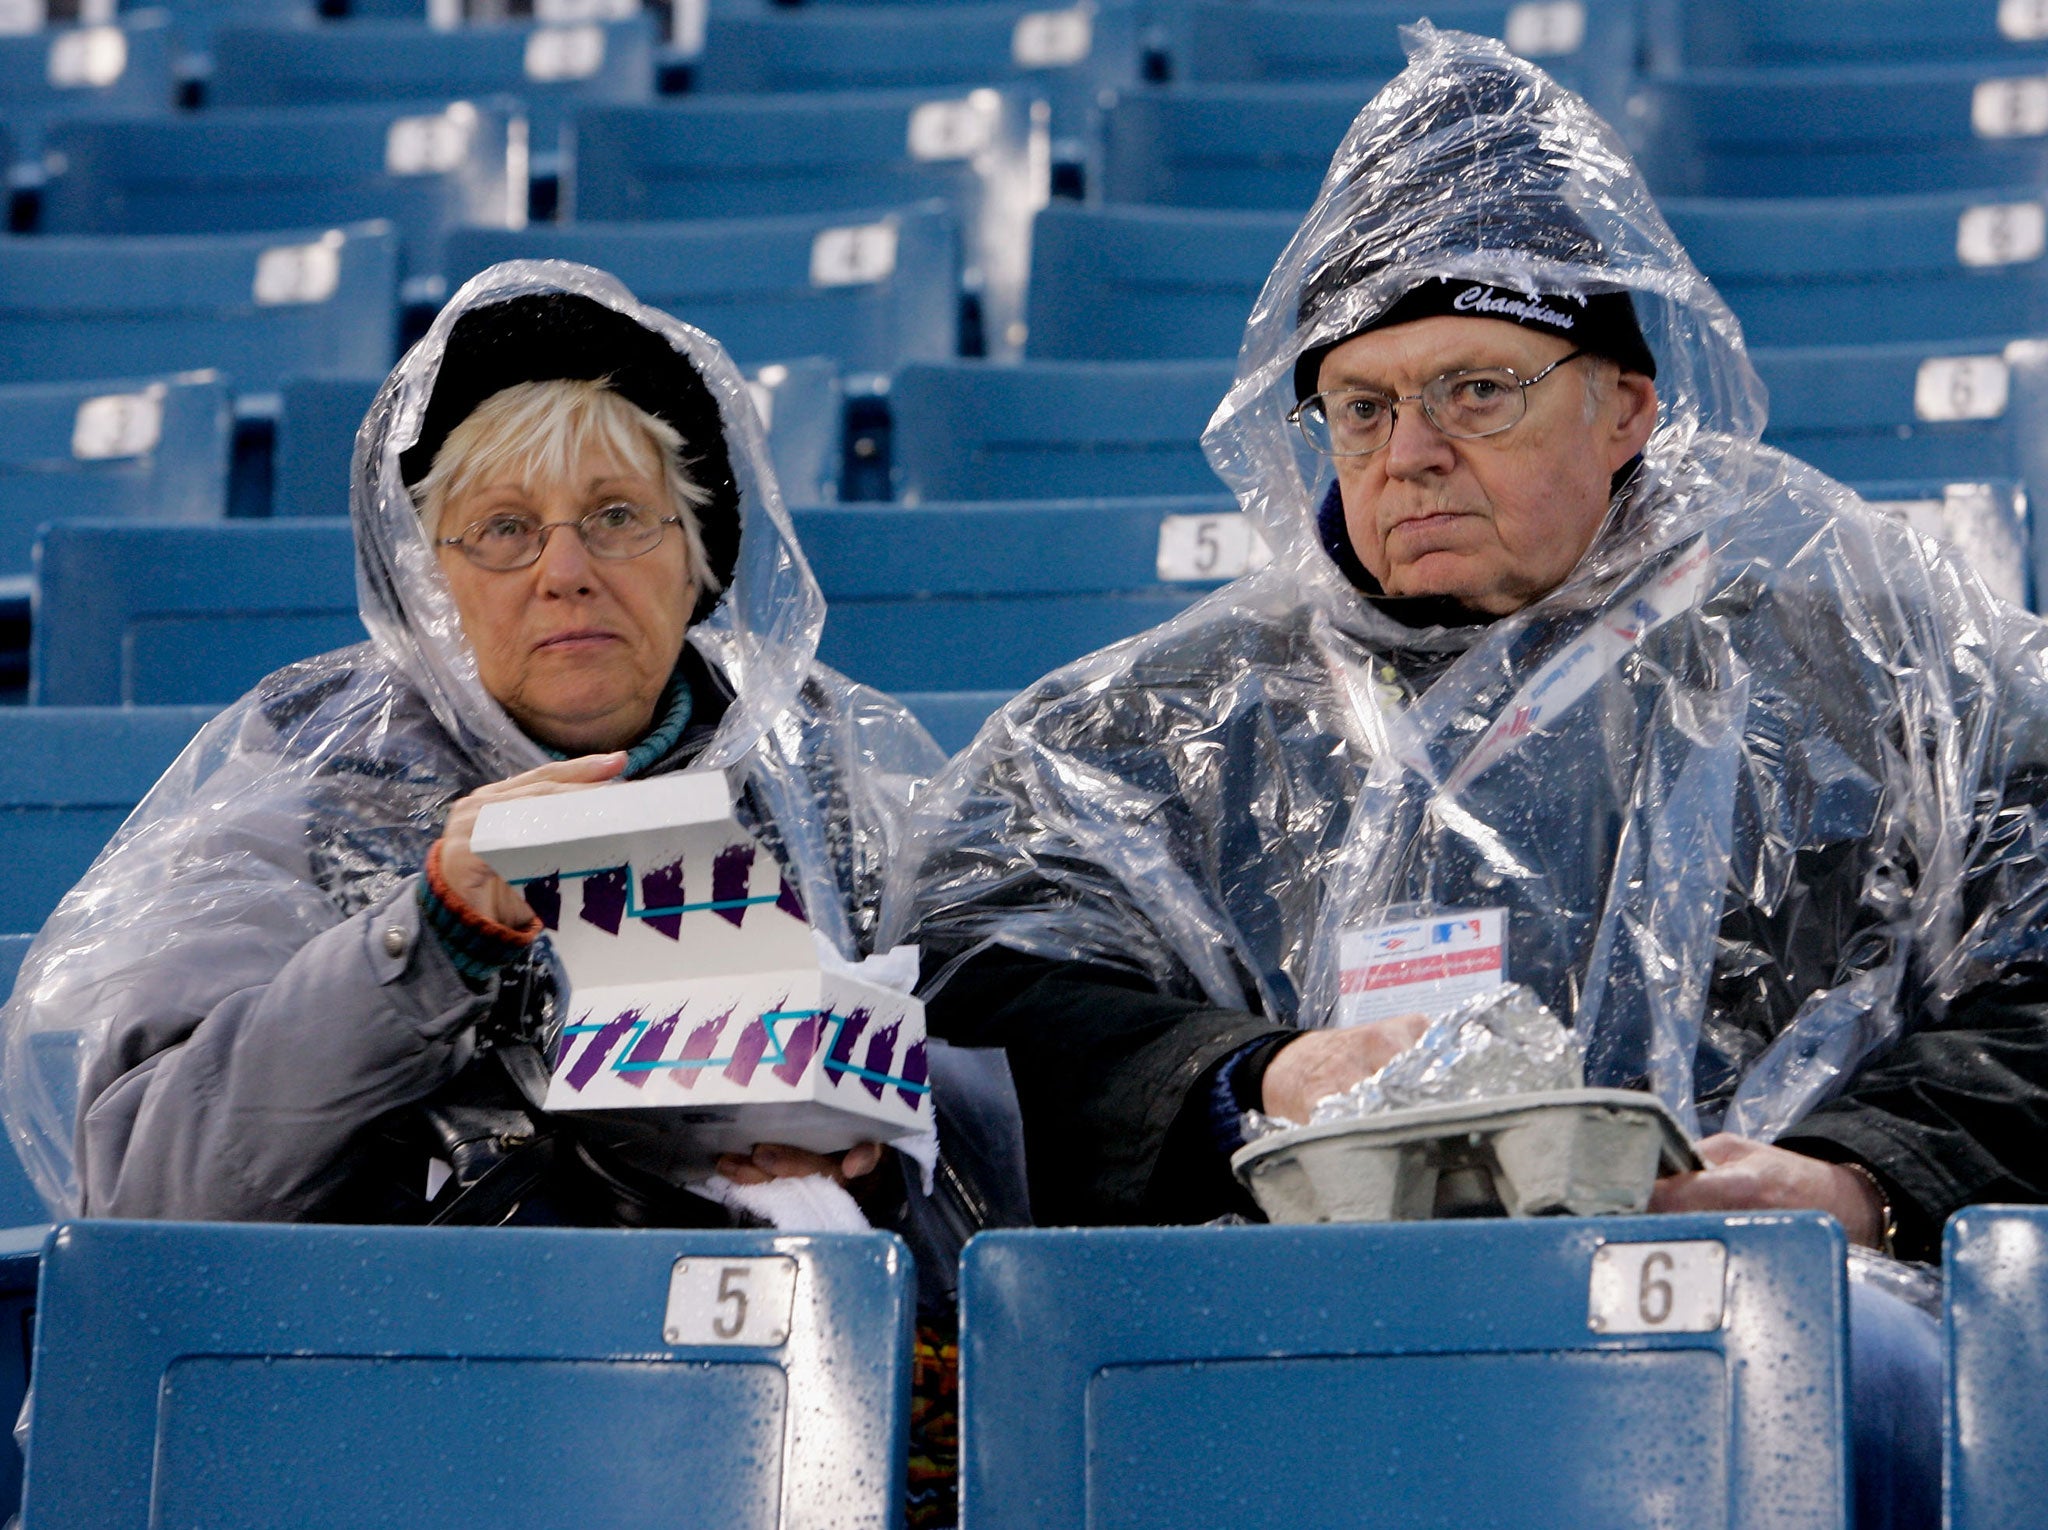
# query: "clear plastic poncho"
317,794
1749,784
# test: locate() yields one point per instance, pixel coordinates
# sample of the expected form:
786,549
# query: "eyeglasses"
1356,422
617,532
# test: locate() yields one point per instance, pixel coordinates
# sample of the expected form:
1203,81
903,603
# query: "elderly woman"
290,989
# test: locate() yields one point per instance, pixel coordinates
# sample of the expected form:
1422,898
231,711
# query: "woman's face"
576,648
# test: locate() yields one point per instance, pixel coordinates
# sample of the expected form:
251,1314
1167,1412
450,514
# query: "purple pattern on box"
803,1041
700,1045
787,900
842,1045
663,888
916,1070
604,899
649,1048
585,1067
731,872
544,896
746,1056
881,1053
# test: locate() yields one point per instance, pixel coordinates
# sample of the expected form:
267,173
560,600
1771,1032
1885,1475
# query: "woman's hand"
468,876
1741,1175
1318,1064
771,1161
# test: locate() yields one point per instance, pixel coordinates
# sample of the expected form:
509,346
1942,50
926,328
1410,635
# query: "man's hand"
771,1161
1741,1175
1317,1064
467,874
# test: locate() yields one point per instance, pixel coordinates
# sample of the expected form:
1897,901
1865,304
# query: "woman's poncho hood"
318,794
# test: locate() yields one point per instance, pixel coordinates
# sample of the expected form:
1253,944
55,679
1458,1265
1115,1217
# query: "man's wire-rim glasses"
1356,422
615,532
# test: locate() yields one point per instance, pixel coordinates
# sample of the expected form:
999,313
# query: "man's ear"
1632,416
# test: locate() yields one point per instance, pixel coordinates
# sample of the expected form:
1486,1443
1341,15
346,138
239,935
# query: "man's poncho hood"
317,796
1726,780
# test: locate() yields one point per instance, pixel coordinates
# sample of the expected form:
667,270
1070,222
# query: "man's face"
1498,521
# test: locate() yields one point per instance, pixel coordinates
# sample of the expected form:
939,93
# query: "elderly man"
1749,774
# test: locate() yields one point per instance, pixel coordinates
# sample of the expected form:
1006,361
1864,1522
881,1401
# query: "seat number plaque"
730,1301
1658,1287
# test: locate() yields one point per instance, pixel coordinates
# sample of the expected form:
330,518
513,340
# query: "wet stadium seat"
1769,32
553,69
1587,45
1865,270
258,307
69,776
1996,1262
1849,131
800,402
153,449
1249,146
1147,283
425,169
953,717
1915,413
244,1376
1067,56
64,71
931,598
754,157
966,430
873,290
1441,1373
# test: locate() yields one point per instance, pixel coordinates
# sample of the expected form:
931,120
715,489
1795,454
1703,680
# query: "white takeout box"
695,985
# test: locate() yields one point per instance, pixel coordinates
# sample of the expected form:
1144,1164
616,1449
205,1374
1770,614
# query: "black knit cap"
551,336
1466,173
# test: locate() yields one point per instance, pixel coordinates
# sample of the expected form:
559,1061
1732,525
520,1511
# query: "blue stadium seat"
1863,270
760,157
953,717
68,778
137,615
937,598
966,430
553,69
259,307
1147,283
1830,130
1768,32
873,290
243,1376
1588,45
425,169
155,449
1417,1374
1067,56
976,597
1227,145
65,71
21,1248
1996,1262
1986,520
319,416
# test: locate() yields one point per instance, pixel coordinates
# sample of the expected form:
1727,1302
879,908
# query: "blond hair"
538,430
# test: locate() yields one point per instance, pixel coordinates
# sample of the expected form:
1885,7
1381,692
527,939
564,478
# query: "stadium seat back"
65,71
21,1247
69,777
1449,1373
981,597
953,717
155,449
1841,131
184,615
1587,45
258,307
425,169
1766,32
553,69
1245,146
1996,1325
1953,266
1986,520
1147,283
1053,429
247,1376
872,290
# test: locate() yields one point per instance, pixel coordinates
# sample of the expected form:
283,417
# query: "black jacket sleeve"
1113,1079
